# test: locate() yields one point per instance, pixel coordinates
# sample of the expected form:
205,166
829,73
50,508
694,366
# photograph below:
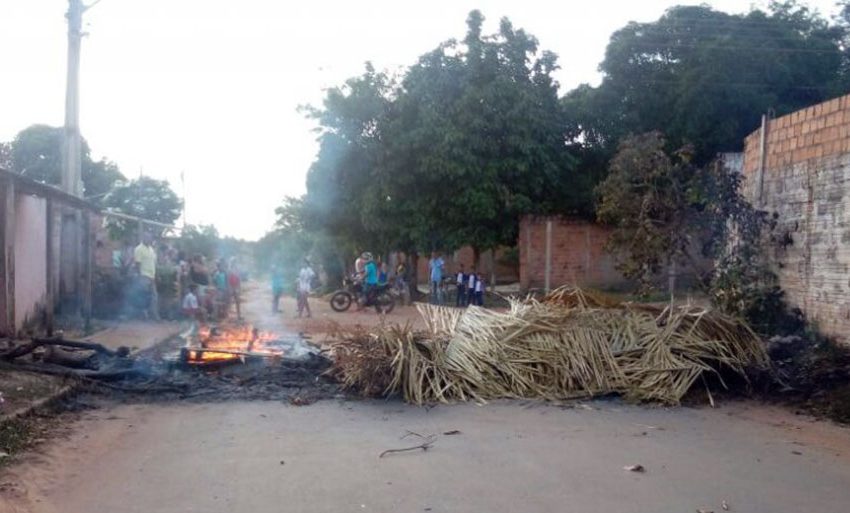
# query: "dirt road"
257,309
508,457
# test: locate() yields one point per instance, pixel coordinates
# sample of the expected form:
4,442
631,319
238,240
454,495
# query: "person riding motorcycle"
370,280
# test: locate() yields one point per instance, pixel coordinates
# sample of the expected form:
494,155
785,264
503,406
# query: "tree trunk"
413,275
476,257
492,267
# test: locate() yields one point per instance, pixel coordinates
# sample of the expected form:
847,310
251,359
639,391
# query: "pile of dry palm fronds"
570,344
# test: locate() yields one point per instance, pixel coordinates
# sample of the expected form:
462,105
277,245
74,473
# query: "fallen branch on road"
424,446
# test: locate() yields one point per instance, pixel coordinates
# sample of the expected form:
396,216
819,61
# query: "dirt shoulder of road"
21,393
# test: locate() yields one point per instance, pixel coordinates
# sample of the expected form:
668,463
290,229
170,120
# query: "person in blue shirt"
277,288
436,266
370,280
383,275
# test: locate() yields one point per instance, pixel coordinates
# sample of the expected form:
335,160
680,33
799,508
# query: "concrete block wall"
578,255
805,185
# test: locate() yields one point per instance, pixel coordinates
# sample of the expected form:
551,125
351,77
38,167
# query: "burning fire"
221,343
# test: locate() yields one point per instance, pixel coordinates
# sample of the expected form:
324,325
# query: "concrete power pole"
72,180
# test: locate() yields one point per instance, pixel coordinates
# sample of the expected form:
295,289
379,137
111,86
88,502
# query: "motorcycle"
381,297
342,299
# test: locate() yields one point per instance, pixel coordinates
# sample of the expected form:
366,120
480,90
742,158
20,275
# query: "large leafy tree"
705,77
342,178
476,140
290,242
470,138
36,152
146,198
200,240
5,156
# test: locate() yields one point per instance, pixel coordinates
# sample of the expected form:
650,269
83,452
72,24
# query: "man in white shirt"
305,279
144,257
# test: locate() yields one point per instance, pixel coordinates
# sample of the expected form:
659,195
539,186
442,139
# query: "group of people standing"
303,287
470,286
209,294
201,293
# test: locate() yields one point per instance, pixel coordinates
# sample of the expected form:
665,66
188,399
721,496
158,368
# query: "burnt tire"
341,301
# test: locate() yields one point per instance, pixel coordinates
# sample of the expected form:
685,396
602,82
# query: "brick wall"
578,254
806,186
491,263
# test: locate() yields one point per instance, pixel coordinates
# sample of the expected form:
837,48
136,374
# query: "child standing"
471,281
460,281
190,306
479,291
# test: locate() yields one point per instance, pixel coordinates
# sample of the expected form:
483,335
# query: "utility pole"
75,227
72,181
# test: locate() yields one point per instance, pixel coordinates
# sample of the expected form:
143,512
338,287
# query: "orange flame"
233,342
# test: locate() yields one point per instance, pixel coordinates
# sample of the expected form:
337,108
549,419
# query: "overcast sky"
211,87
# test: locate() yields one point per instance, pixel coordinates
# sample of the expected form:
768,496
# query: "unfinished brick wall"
491,263
805,184
578,255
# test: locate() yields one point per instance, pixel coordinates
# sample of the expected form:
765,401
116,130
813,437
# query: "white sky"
211,87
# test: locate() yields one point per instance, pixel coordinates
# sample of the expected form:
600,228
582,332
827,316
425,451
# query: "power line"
662,46
735,84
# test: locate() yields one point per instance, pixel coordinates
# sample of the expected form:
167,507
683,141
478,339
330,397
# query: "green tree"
470,138
476,140
666,210
705,77
200,240
146,198
5,156
647,199
289,243
36,152
341,180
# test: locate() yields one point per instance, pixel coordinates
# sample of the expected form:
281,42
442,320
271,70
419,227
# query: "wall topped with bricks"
819,131
800,175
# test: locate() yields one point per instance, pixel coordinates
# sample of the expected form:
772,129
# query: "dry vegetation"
570,344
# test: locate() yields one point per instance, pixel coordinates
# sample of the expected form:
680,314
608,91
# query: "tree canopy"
36,152
143,197
451,152
705,77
